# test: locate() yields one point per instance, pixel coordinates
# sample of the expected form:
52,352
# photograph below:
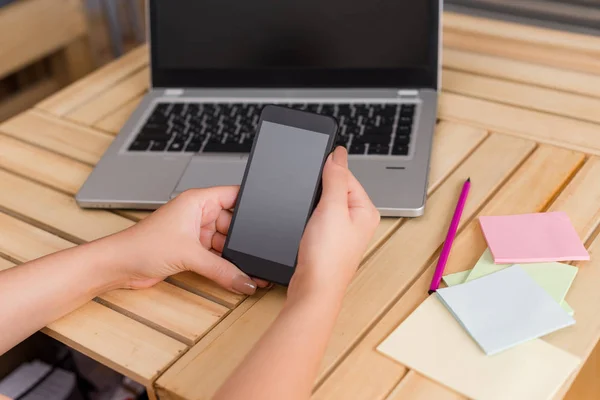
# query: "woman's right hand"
337,234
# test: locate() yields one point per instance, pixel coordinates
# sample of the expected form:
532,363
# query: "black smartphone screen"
278,192
281,182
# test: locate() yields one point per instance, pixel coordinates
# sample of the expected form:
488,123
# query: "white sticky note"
504,309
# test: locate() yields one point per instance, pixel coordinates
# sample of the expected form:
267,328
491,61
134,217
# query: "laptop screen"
325,43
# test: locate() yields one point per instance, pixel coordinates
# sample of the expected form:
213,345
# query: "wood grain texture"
546,128
522,72
97,82
522,95
518,50
57,135
117,341
123,344
164,307
114,121
48,168
5,264
380,279
367,374
168,309
112,99
201,286
587,386
33,202
51,24
477,26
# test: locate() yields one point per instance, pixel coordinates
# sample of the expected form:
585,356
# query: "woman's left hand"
186,234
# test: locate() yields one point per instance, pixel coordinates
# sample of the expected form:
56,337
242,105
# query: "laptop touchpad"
206,171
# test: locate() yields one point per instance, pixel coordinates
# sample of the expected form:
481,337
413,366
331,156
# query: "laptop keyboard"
381,129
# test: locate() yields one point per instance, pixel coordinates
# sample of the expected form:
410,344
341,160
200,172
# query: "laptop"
373,65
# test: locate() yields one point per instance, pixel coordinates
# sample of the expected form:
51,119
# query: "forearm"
285,361
41,291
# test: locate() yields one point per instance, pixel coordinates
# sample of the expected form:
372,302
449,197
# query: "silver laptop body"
140,173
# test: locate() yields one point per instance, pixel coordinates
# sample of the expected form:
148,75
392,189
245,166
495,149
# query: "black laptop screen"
254,43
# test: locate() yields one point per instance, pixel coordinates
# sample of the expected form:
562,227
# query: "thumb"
335,178
223,273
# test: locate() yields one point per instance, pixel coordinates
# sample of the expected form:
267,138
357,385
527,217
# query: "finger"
261,282
224,196
223,221
357,195
218,242
335,178
223,273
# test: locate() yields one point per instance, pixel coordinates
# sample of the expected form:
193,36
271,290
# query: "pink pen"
460,206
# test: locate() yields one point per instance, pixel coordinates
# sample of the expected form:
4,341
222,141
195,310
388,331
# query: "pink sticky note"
532,238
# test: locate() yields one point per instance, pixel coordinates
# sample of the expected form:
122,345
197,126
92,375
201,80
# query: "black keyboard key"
193,147
357,148
379,130
373,138
402,140
400,150
158,146
379,149
139,145
405,120
229,147
403,129
176,145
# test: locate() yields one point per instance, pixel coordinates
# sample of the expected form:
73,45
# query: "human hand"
186,234
337,234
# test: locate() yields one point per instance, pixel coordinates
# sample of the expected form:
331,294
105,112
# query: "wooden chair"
44,44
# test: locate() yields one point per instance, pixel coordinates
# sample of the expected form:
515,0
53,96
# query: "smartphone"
279,191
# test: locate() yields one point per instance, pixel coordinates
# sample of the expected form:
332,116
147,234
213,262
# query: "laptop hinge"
173,92
408,93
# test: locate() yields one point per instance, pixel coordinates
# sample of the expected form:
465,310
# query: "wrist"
108,263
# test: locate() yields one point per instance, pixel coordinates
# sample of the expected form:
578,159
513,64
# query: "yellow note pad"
433,343
556,278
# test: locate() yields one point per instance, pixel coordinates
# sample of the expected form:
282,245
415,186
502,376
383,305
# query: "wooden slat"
200,285
518,50
372,375
475,26
517,71
133,215
66,138
43,166
26,97
166,308
56,211
68,175
587,386
169,309
105,335
5,264
380,279
97,82
416,387
522,95
125,345
546,128
114,121
50,24
111,99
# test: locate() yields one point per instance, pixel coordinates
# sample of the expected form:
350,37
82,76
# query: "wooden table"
520,115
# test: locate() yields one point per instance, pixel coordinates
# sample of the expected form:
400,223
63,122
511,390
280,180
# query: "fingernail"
243,284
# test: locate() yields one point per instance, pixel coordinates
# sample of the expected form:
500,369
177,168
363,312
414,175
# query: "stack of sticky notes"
479,335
